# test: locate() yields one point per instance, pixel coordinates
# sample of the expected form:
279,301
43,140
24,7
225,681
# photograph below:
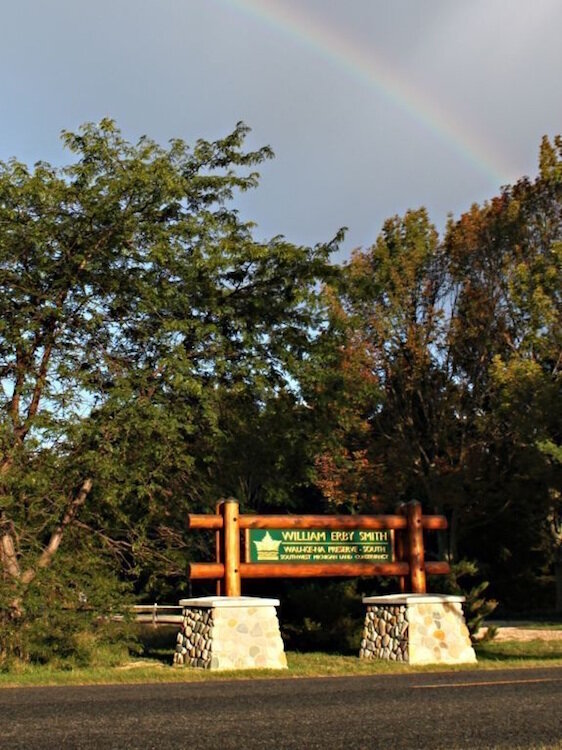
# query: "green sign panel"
317,545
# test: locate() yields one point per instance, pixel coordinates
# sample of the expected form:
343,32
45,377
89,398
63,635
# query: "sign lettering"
318,545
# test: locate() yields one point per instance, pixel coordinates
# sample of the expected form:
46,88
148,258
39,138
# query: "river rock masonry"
416,628
220,632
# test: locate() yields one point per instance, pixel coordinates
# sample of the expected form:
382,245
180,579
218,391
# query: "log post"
231,532
219,546
400,537
415,549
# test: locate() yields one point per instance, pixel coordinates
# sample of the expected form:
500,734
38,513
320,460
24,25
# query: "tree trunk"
8,556
50,549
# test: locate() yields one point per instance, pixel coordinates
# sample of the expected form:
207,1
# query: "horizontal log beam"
322,522
337,522
200,571
215,522
313,570
197,571
435,568
434,523
204,521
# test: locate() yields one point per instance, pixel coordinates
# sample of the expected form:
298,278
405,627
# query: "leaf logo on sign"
267,548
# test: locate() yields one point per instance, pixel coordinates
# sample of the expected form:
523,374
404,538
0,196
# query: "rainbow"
372,70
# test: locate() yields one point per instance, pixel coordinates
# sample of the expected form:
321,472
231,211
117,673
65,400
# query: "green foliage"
477,608
68,611
323,616
137,313
393,300
459,343
155,357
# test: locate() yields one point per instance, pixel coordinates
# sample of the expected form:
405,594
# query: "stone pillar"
416,628
220,632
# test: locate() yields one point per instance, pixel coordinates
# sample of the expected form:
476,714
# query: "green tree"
134,302
462,338
394,298
506,347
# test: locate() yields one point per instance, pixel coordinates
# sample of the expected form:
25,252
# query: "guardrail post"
231,535
415,547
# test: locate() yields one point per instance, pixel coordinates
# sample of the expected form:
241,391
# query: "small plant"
476,607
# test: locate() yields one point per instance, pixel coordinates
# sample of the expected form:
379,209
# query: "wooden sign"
318,545
313,546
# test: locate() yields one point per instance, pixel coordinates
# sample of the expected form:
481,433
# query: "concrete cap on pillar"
398,599
229,601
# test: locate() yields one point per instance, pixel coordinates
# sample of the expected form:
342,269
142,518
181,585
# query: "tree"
506,346
134,301
462,337
393,297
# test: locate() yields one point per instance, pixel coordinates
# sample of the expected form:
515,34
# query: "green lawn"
490,656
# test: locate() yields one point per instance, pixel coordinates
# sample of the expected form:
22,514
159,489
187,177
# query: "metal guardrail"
158,614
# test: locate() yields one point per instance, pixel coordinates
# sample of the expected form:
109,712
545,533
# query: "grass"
520,653
158,669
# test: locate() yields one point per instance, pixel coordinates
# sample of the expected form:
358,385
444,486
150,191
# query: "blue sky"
371,106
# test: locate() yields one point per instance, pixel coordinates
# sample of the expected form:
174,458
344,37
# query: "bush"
323,616
65,617
476,607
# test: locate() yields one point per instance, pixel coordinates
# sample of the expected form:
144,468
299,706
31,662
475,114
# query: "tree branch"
37,390
14,407
49,551
8,556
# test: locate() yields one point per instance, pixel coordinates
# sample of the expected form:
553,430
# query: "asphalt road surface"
503,709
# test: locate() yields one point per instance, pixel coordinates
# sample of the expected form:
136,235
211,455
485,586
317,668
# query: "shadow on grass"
513,651
158,643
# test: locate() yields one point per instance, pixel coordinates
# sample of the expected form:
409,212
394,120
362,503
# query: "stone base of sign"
220,632
416,628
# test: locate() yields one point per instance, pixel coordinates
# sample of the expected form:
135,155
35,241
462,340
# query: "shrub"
476,607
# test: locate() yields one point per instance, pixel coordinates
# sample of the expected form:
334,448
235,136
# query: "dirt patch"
524,634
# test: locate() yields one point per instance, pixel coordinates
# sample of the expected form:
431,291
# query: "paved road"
504,709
